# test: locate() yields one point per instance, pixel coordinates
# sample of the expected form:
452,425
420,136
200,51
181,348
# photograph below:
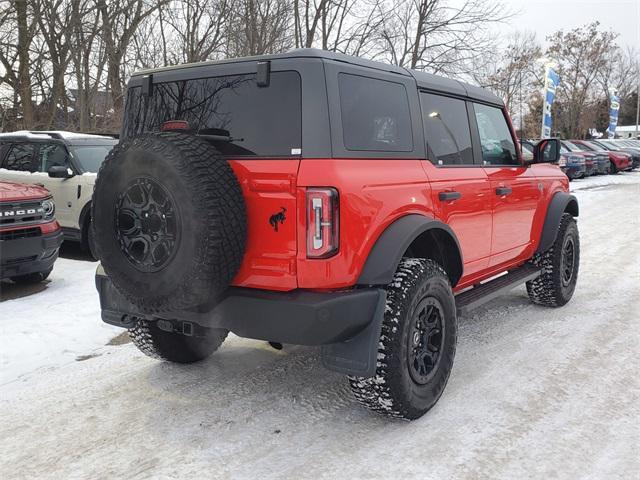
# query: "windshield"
593,147
91,156
573,147
602,146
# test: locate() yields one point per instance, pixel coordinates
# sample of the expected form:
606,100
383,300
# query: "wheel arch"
412,235
560,204
85,215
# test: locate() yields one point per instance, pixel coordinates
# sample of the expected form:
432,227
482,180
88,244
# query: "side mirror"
547,151
59,171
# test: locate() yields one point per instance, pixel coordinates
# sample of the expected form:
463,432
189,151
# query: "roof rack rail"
103,134
55,135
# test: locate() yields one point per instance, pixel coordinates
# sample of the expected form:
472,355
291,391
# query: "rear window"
264,121
375,114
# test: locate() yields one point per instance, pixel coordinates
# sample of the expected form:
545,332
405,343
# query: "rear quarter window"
264,121
375,114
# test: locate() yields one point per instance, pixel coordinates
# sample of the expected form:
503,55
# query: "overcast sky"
546,16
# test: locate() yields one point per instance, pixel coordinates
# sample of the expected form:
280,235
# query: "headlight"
49,209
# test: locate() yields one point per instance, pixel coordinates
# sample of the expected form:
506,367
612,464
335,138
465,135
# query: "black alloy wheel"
147,227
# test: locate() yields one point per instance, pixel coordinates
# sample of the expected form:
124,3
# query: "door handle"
448,196
503,191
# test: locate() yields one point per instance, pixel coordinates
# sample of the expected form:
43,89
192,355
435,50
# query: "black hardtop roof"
423,80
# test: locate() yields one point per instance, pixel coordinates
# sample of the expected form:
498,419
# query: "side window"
50,155
527,151
375,114
495,137
20,157
446,128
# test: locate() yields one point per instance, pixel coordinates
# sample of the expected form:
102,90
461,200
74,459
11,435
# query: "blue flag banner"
552,79
613,115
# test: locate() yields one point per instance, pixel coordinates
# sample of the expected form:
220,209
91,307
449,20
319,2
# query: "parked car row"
583,158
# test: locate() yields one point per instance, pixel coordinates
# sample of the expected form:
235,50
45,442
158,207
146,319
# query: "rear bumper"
346,323
29,255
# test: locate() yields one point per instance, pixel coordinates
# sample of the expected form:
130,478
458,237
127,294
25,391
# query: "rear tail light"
323,219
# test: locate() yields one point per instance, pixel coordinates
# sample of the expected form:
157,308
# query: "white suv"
66,164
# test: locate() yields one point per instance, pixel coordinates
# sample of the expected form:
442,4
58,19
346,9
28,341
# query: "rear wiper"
218,134
220,138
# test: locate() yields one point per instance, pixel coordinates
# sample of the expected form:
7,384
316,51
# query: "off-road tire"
392,391
551,288
175,347
209,214
30,278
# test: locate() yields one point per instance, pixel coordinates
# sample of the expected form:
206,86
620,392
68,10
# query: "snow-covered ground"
535,392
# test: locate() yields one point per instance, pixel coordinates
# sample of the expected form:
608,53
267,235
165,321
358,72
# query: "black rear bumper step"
473,298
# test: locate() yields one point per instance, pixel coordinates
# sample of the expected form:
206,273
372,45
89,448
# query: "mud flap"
358,355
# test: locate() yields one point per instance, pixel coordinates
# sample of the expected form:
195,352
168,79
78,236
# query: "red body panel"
495,233
269,188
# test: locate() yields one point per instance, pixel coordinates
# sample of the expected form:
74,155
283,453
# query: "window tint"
495,137
91,156
375,114
239,117
51,155
20,157
446,128
527,151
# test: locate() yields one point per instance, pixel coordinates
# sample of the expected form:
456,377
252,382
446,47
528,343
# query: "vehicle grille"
22,219
22,233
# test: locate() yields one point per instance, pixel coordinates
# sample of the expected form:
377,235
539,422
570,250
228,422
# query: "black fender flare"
387,252
560,203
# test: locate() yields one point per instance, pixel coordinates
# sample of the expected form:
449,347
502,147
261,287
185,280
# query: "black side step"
473,298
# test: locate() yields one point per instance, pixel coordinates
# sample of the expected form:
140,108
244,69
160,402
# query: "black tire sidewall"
565,292
420,398
202,265
142,164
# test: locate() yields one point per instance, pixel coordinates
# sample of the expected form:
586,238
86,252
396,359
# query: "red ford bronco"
29,234
319,199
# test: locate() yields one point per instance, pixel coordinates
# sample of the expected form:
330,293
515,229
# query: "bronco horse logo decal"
278,218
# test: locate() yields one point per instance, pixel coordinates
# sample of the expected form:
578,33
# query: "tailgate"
269,188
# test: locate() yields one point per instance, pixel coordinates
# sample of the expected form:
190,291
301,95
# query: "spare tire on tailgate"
169,220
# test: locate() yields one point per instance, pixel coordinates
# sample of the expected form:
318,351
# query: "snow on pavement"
52,327
534,392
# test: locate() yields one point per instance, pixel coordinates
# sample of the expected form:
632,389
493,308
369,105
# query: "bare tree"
259,27
120,21
582,56
434,36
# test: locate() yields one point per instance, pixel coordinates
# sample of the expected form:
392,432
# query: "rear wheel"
417,343
175,347
557,282
32,277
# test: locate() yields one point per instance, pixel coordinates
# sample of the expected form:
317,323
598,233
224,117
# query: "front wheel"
417,343
175,347
560,263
